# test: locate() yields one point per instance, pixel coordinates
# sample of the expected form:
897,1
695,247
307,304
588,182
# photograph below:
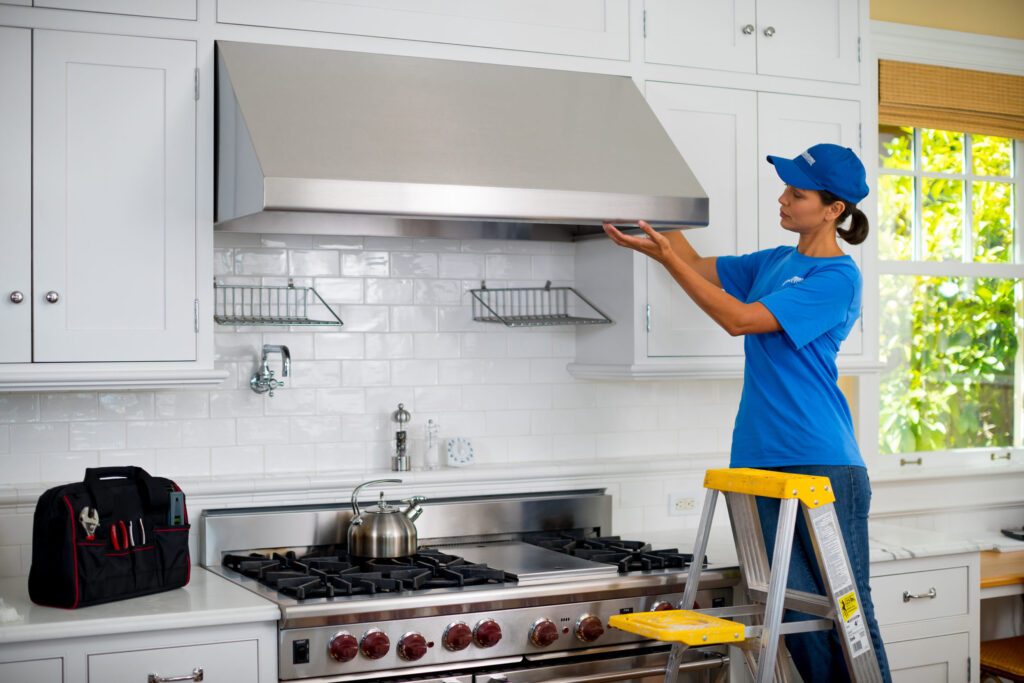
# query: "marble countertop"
207,600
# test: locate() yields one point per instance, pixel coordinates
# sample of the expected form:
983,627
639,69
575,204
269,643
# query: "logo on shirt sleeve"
793,280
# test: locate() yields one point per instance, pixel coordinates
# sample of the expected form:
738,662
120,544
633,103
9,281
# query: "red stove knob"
661,606
412,646
375,644
543,632
589,628
487,633
343,646
457,636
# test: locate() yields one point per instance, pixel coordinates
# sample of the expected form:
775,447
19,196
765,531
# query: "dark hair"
858,230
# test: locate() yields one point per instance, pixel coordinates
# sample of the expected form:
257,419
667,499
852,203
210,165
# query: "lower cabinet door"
36,670
232,662
942,659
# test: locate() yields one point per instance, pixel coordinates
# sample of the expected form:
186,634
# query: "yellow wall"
1003,18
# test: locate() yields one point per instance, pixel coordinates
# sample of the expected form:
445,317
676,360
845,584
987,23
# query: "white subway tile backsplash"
413,319
5,439
208,432
414,264
313,262
507,422
389,291
314,373
436,345
507,266
339,345
171,405
240,402
462,266
182,462
292,401
364,318
482,345
261,261
259,431
365,264
484,397
365,373
153,434
371,243
390,346
340,457
296,242
530,396
293,458
413,372
19,407
437,399
235,460
67,406
18,468
436,244
367,428
94,436
339,242
530,344
140,457
459,319
66,467
39,437
340,290
438,292
506,370
340,401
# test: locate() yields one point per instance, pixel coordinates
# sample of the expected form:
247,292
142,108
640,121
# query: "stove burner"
330,574
628,555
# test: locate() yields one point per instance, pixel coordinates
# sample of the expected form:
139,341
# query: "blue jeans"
818,655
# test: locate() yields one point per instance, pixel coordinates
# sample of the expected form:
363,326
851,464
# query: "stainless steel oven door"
699,666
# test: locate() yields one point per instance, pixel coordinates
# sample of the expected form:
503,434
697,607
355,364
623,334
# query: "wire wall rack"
270,305
534,306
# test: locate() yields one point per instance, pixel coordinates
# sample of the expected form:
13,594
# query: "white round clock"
460,452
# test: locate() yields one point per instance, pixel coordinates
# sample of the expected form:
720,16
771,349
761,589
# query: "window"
951,265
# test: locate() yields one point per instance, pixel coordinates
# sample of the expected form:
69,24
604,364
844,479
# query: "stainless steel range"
506,588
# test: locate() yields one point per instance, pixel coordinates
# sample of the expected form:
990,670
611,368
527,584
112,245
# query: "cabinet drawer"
947,586
220,662
930,660
36,670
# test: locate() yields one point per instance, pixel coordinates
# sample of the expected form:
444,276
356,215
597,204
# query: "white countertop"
207,600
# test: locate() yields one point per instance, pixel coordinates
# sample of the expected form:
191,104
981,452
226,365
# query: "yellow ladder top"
680,625
812,491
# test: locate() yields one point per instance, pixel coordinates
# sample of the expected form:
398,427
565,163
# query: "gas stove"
498,585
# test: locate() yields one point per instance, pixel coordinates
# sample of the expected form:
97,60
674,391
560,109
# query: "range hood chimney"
329,142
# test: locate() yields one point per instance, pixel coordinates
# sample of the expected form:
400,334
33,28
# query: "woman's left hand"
654,245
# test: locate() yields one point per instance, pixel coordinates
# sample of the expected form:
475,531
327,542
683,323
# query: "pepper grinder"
400,461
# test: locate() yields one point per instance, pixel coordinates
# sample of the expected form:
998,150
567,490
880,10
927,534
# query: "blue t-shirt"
791,410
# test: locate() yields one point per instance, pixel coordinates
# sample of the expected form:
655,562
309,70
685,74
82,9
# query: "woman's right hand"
654,245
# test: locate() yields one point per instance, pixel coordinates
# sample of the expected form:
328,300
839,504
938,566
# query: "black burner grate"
627,555
331,574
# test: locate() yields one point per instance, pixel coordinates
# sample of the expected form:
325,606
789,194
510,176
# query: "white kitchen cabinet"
570,27
114,213
219,663
48,670
928,613
16,194
724,135
168,9
811,39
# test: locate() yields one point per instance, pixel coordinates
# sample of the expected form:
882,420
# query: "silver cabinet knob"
17,297
769,32
52,297
748,29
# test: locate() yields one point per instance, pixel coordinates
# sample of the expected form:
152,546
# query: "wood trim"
1001,569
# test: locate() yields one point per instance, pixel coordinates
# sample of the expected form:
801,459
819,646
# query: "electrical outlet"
681,504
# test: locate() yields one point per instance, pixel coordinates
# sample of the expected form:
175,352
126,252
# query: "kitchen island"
210,624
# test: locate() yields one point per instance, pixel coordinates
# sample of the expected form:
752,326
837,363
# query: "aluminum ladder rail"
766,590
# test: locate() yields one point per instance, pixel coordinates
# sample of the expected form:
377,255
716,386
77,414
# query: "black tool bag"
118,534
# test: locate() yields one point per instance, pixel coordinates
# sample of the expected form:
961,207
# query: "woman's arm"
734,316
704,265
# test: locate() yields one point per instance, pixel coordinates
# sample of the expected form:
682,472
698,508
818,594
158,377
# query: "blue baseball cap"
825,167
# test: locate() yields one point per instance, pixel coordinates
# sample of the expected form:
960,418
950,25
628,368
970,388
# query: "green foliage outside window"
950,343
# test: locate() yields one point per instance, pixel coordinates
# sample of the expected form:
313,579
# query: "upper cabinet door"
587,28
114,198
170,9
722,154
815,39
708,35
15,195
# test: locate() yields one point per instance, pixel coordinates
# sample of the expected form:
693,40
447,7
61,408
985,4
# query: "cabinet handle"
748,29
196,675
17,297
908,596
52,297
769,32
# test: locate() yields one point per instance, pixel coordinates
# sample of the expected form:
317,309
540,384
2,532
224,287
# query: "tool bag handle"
154,495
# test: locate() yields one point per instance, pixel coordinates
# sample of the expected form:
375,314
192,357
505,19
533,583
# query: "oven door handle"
720,662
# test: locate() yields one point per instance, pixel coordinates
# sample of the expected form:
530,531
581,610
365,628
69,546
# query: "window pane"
993,222
895,217
950,345
942,203
896,147
991,155
942,151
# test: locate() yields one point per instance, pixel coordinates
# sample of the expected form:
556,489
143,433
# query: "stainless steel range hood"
322,141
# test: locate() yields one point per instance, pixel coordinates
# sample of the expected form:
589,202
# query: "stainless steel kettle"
386,531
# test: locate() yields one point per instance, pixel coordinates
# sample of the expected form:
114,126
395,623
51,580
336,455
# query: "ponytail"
858,230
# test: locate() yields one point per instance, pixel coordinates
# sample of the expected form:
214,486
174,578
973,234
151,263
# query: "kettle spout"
414,510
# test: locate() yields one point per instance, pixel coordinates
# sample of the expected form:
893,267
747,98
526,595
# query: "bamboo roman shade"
926,96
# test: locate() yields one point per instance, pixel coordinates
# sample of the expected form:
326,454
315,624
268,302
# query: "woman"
795,306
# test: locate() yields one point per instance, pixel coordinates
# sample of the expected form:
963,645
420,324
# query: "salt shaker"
432,447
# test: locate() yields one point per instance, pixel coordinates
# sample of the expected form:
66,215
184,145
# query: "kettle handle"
355,491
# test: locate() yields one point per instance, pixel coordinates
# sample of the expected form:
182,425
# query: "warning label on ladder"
836,565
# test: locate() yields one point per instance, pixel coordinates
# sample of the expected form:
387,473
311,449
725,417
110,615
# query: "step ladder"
766,589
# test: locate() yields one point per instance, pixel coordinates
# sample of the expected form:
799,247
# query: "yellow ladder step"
812,491
681,626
